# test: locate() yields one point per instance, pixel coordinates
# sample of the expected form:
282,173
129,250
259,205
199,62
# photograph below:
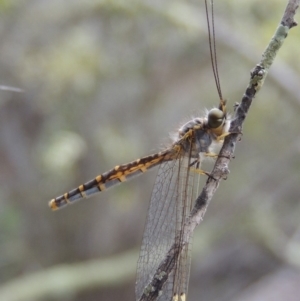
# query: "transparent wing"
172,197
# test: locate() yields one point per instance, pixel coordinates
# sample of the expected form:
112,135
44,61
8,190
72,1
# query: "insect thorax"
198,139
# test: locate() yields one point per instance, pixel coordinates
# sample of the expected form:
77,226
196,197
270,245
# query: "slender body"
195,137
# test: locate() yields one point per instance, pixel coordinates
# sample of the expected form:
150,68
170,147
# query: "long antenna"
212,46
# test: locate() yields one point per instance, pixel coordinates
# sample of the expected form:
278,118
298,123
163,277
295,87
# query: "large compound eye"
216,118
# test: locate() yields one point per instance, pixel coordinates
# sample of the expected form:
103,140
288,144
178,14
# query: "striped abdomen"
120,173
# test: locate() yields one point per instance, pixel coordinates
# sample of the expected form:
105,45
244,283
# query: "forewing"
170,205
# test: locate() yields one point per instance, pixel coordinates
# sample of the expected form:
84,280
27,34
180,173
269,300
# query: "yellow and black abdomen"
119,174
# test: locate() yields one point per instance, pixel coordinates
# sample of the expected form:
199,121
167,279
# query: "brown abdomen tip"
52,204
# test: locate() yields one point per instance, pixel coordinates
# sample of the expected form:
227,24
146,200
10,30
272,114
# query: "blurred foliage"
105,82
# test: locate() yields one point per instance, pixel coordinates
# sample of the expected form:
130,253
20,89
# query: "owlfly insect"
173,196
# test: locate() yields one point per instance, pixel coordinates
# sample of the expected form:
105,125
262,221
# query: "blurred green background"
105,82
